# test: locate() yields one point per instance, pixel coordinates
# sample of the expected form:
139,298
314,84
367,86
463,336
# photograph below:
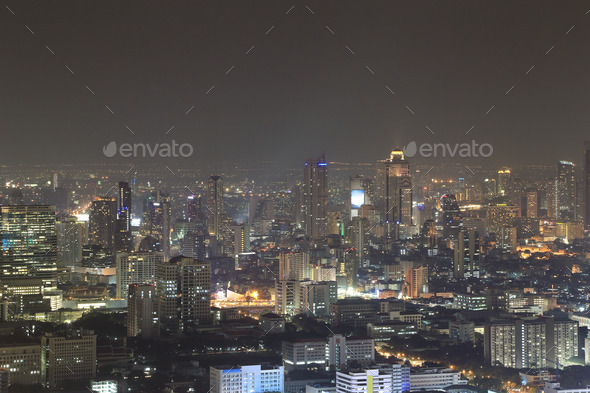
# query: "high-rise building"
503,184
193,208
394,191
288,297
416,279
566,190
71,358
365,381
183,286
102,222
136,268
29,243
294,266
142,311
193,245
123,239
451,217
157,223
500,215
467,254
526,343
247,379
359,194
315,198
215,210
587,185
72,235
317,297
532,203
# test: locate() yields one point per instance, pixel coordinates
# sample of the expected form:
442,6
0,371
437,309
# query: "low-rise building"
434,378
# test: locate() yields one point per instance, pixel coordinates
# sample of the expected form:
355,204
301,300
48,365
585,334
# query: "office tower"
359,194
247,379
136,268
23,362
317,297
102,222
429,234
314,196
536,343
566,190
507,238
553,198
451,217
416,279
123,239
157,224
184,293
394,190
72,235
193,245
288,297
193,208
29,243
142,311
587,185
500,215
503,184
294,266
215,210
71,358
365,381
467,254
532,203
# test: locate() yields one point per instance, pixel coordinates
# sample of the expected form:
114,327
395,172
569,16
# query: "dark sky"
299,91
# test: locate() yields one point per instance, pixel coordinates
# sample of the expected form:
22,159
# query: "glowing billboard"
357,198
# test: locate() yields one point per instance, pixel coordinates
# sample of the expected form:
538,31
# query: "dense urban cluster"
384,277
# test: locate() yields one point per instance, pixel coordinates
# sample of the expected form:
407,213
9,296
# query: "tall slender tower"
566,190
123,240
214,205
315,198
394,184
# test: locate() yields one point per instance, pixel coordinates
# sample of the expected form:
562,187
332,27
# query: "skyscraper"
215,205
102,222
467,254
193,208
587,185
315,198
157,223
29,243
142,311
394,189
184,293
566,190
451,217
72,235
123,241
136,268
503,185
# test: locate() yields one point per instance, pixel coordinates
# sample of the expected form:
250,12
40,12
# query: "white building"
587,351
247,379
434,378
400,376
366,381
106,386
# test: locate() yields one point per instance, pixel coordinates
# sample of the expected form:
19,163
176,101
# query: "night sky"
299,91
